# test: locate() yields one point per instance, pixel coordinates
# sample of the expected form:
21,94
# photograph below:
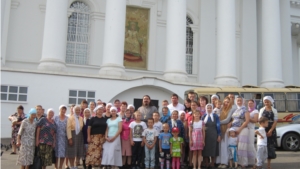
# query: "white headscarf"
269,98
214,96
77,125
180,113
84,119
235,102
50,109
174,122
61,106
108,104
113,108
130,105
211,114
98,107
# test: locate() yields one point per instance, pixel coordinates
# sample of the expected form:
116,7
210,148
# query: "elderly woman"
212,136
271,113
61,136
107,112
241,118
26,138
96,138
225,118
75,137
16,120
112,147
251,127
213,99
45,138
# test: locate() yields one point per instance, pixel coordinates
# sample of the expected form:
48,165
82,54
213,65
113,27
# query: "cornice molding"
15,4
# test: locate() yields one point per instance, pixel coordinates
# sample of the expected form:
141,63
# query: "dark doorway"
138,103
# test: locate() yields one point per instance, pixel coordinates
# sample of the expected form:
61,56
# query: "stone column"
55,36
271,44
176,41
114,35
226,45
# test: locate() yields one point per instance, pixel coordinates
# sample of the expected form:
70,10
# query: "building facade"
62,51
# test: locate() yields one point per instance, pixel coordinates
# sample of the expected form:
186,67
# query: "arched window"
78,34
189,46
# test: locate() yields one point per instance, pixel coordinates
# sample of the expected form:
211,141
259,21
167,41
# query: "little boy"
217,109
164,147
262,150
158,127
150,137
136,130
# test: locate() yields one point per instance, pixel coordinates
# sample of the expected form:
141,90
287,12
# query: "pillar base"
112,70
227,81
52,65
273,83
176,76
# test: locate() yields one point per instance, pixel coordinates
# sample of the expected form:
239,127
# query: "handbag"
53,157
271,152
37,161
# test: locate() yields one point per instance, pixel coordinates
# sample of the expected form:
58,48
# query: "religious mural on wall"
136,38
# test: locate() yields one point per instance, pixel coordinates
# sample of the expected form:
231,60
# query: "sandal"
13,153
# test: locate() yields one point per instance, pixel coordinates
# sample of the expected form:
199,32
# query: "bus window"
279,99
222,95
293,102
255,96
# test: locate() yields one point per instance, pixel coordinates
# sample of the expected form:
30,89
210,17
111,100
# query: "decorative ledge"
97,16
15,4
42,8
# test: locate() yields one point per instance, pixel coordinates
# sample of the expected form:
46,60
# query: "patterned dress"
27,133
15,129
197,135
61,137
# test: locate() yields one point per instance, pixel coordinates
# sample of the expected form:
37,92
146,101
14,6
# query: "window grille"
76,96
293,101
279,100
189,46
13,93
78,34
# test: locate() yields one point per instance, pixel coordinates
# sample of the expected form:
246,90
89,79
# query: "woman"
83,105
174,122
123,109
61,136
45,138
16,120
212,136
241,118
86,119
213,99
225,118
202,101
125,139
96,138
271,113
75,137
132,110
107,113
251,127
26,138
92,107
112,147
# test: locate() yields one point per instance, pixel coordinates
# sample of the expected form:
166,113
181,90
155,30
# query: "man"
117,104
99,102
192,96
39,114
175,105
147,108
232,97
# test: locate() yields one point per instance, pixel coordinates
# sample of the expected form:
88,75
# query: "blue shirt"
165,140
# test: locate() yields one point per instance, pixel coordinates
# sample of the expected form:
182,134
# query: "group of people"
194,134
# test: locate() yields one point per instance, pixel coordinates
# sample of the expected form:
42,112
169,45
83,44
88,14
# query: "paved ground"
284,160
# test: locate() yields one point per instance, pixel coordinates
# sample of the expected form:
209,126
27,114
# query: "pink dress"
197,135
125,141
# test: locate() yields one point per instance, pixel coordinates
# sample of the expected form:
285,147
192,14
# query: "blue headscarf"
165,118
31,111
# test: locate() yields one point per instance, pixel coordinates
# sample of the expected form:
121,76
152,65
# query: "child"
136,130
262,150
164,147
232,148
125,138
158,127
165,115
174,122
175,148
217,109
197,137
183,155
149,138
187,105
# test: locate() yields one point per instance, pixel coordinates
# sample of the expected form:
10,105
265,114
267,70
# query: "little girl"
197,137
175,148
217,109
232,147
125,139
165,115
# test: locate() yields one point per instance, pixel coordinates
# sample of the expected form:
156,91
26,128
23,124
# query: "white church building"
57,52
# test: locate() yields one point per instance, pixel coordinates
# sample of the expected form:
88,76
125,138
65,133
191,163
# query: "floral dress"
61,137
15,128
27,133
271,117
